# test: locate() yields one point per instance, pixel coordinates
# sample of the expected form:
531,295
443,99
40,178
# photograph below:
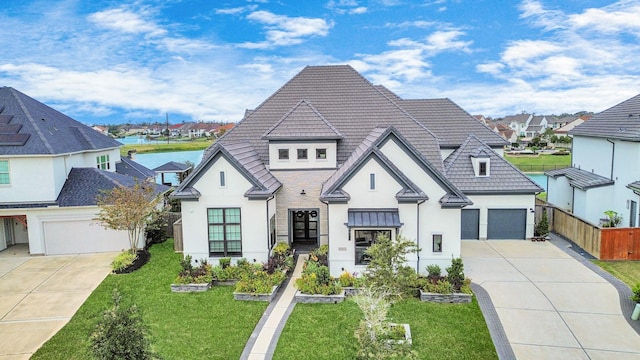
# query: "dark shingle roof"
303,122
503,177
173,167
449,122
621,121
244,159
127,166
346,100
42,130
84,185
580,179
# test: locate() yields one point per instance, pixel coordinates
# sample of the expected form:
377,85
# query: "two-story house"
51,170
330,158
605,166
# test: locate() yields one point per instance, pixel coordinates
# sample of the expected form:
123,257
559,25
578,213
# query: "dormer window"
283,154
481,165
482,168
302,154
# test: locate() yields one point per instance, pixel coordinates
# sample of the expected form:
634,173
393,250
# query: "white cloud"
236,10
126,21
283,30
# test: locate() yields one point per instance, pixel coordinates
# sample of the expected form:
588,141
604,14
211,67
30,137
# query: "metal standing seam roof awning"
383,218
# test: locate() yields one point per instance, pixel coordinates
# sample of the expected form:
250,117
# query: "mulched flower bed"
142,257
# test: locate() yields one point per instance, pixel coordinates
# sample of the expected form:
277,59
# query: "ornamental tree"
128,208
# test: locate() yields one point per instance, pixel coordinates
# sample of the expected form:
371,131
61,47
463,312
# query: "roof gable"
29,127
369,149
244,159
504,178
303,122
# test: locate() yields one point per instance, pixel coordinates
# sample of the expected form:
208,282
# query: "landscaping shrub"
122,261
320,255
259,282
316,279
121,334
455,274
386,271
636,293
189,274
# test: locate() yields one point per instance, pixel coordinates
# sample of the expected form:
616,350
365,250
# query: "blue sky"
109,61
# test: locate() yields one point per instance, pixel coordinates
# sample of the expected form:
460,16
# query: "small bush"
434,272
455,274
189,274
636,293
316,279
320,255
123,261
121,334
348,279
259,282
225,262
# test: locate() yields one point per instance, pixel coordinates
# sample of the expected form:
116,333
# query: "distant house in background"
51,170
482,119
536,126
518,123
605,171
564,130
101,129
505,131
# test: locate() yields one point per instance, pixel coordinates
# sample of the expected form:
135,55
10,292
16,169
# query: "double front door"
304,225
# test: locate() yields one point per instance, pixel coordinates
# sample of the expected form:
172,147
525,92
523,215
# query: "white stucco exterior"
254,214
486,202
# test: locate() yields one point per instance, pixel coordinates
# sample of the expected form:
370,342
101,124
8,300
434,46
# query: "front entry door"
305,226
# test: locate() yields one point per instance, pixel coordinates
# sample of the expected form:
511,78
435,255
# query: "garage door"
470,224
506,224
81,236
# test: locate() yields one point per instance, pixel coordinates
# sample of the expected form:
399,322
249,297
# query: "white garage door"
81,236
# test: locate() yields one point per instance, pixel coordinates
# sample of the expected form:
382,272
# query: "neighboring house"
564,130
605,170
331,159
482,119
101,129
536,126
518,123
51,170
505,132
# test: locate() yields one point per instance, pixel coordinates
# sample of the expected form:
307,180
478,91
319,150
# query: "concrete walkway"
550,305
38,296
264,338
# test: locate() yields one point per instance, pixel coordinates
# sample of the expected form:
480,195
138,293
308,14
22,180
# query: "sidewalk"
264,338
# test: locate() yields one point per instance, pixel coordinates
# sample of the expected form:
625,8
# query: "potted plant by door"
635,296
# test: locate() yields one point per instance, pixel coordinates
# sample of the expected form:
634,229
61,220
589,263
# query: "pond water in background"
153,160
129,140
540,179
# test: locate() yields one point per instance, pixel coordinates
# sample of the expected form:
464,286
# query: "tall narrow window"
283,154
437,243
4,172
482,170
372,181
302,154
223,179
225,232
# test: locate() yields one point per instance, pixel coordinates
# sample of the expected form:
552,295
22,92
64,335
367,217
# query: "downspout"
418,234
268,225
328,232
613,154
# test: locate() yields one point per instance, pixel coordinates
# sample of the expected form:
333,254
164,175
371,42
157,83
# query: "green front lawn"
627,271
209,325
439,331
540,162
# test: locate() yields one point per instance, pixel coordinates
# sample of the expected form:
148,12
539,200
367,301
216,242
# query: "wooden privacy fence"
602,243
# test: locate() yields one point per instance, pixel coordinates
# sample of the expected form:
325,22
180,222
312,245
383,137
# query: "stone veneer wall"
293,182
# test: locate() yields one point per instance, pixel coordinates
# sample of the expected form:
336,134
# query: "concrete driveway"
550,305
38,296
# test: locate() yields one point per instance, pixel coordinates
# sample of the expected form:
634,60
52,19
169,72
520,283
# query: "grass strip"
627,271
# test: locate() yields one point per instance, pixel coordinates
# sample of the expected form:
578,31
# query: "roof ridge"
28,115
